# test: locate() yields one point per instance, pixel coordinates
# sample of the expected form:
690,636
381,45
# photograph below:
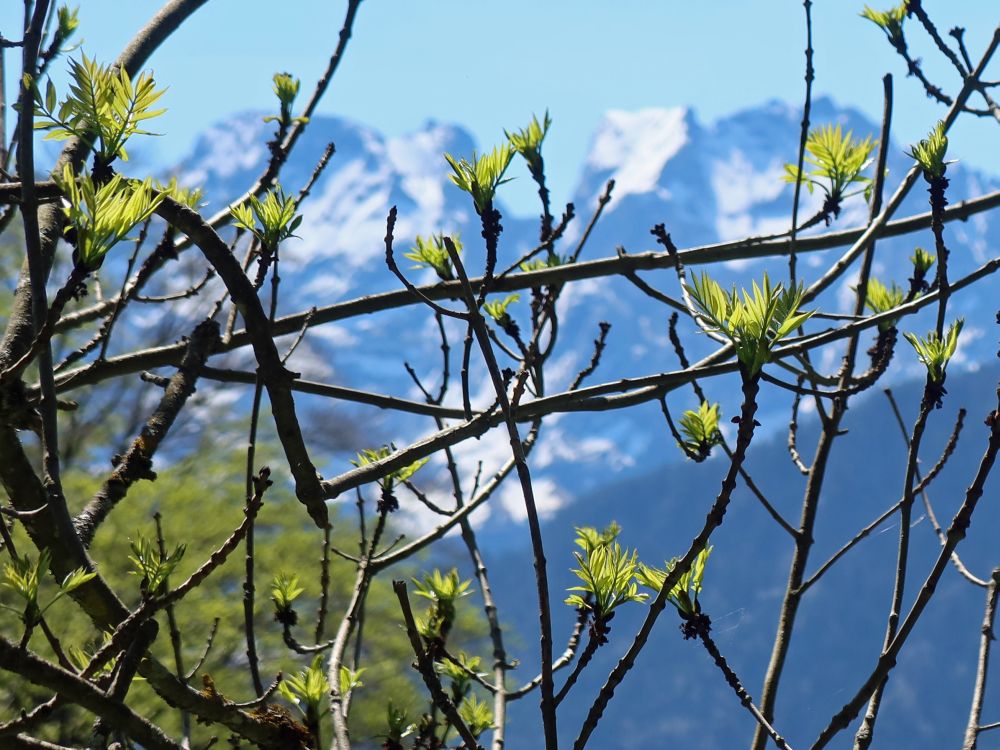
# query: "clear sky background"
490,65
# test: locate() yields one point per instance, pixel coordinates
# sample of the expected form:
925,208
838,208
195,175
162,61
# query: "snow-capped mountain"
706,182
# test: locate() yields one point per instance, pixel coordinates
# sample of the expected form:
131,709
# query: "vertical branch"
32,239
803,137
524,476
985,642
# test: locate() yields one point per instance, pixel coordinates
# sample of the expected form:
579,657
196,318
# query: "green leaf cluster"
607,573
935,351
190,197
552,260
443,590
481,177
476,714
922,260
397,722
890,21
880,298
103,102
270,220
684,594
700,429
285,589
307,689
67,21
286,88
837,160
23,577
103,216
388,482
528,143
497,309
930,152
755,322
153,568
430,252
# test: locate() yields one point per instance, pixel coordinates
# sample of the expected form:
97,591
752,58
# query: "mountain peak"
635,146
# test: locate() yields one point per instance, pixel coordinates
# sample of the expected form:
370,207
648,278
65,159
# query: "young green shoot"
930,153
684,594
880,298
890,21
922,260
286,88
270,220
430,252
443,591
528,143
497,309
700,429
476,714
153,568
104,102
23,577
837,161
103,216
307,689
607,573
481,177
755,322
935,351
285,589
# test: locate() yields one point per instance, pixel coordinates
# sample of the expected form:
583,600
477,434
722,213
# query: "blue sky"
490,65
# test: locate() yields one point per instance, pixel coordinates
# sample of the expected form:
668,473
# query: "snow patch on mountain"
636,146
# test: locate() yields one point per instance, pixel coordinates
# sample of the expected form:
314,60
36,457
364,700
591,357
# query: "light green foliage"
81,658
203,512
103,101
153,568
537,264
701,429
307,689
103,216
754,323
837,160
190,197
388,482
430,252
497,309
481,177
397,723
528,143
458,674
67,21
881,298
476,714
588,538
350,679
23,578
443,591
890,21
285,589
922,260
607,573
930,152
286,88
935,351
684,594
270,220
